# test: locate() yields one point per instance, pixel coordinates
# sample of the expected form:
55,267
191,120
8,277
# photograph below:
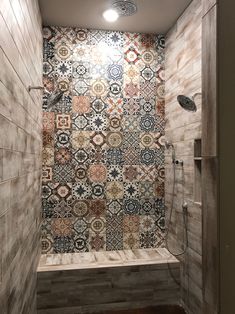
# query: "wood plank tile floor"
151,310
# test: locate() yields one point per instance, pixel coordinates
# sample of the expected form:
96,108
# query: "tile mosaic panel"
103,155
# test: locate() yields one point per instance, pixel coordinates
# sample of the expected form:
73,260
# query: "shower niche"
197,171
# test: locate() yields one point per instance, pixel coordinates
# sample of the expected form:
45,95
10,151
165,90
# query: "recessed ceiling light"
110,15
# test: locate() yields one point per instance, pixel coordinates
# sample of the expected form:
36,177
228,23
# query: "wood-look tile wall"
106,289
210,162
183,76
20,150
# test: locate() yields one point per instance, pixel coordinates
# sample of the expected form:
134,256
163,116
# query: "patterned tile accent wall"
103,155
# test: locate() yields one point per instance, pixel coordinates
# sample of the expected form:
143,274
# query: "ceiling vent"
125,7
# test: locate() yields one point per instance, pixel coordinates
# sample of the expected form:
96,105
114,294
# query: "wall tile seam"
173,90
195,252
209,9
22,37
181,69
172,106
194,281
36,139
188,61
188,156
32,227
26,111
207,157
38,25
171,81
185,155
37,14
172,78
12,261
13,38
4,213
200,240
34,101
20,176
19,151
192,220
181,126
172,99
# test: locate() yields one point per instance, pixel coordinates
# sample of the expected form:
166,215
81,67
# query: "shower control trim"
178,162
185,208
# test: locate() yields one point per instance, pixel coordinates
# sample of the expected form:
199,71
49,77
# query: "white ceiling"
153,16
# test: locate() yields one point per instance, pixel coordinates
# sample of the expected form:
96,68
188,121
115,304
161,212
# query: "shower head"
54,98
187,103
125,7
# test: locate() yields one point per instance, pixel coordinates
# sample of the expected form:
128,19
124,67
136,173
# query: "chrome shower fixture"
188,103
54,98
125,7
168,144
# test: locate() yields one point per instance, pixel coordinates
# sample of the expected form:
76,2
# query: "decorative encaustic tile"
114,223
131,224
147,239
115,207
98,190
103,142
62,138
81,104
97,173
97,241
131,241
114,241
80,208
46,174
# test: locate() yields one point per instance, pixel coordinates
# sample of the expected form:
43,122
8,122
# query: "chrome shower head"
54,98
125,7
187,103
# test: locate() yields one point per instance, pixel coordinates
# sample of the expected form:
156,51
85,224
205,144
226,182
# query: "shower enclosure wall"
20,154
184,76
103,148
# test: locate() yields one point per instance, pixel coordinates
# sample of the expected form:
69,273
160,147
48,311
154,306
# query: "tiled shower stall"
86,178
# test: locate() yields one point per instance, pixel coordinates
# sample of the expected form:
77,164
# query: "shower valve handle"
178,162
185,207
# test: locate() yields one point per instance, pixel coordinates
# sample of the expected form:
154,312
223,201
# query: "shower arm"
195,95
35,87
